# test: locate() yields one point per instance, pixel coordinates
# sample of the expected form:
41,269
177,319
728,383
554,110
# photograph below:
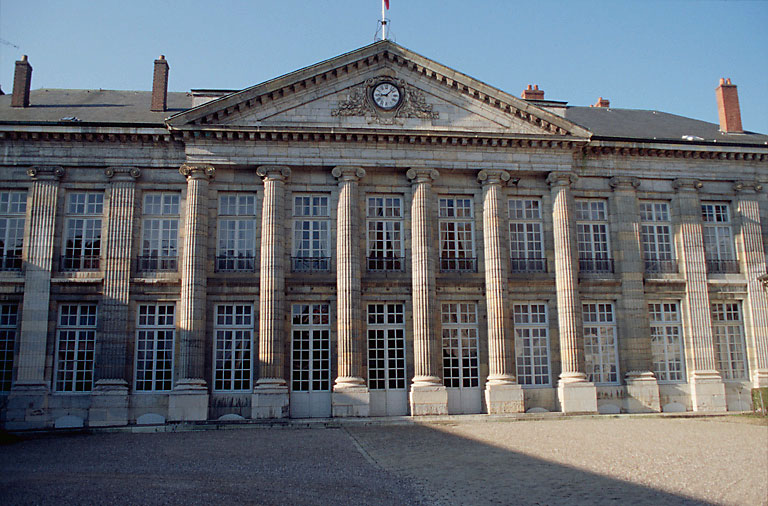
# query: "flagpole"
383,21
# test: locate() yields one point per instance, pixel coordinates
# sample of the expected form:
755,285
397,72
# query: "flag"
386,4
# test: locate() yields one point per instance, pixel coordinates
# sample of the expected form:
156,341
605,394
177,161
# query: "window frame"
313,221
600,345
387,324
589,229
452,231
85,333
528,360
664,328
463,349
532,224
73,257
656,236
158,257
722,329
391,258
236,232
719,250
317,325
13,211
159,333
9,330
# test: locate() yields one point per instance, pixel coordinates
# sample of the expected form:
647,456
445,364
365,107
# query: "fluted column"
428,394
27,404
707,389
634,343
575,394
193,405
502,393
350,394
753,262
270,399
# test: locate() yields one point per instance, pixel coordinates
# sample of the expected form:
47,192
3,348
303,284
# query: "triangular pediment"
337,93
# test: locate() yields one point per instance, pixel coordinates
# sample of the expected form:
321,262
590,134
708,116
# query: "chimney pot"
22,81
728,107
533,93
602,102
160,85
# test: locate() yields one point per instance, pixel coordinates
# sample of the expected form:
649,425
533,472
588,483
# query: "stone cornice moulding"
274,172
748,186
562,178
122,173
687,184
49,172
52,134
197,171
345,173
624,183
422,176
487,176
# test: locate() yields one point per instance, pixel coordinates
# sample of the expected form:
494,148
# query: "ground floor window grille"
667,341
460,355
310,348
9,319
386,347
155,330
600,355
75,347
233,329
532,343
728,333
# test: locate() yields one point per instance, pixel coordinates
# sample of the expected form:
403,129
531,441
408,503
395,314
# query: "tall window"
9,321
311,348
600,354
236,250
160,239
385,234
155,330
75,347
457,243
532,343
82,246
667,341
526,246
310,233
728,331
656,235
460,358
592,236
386,347
13,207
718,239
233,329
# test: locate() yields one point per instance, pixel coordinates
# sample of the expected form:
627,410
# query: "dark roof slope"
654,125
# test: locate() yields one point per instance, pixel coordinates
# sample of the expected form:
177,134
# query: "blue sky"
650,54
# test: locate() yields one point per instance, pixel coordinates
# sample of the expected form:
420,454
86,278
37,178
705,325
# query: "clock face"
386,95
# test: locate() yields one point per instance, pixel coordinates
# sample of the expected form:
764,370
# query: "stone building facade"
373,235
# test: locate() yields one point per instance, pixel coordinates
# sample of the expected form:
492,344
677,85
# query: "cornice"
103,137
677,152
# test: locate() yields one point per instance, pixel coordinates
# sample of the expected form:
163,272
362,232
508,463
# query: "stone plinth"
351,401
577,397
28,407
503,399
270,400
188,401
708,391
109,404
428,399
642,393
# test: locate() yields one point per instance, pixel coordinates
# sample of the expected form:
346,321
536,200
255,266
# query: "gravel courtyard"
579,460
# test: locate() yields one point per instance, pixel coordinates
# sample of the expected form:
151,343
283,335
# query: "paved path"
566,461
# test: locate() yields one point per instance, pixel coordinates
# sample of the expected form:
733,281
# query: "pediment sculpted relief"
359,102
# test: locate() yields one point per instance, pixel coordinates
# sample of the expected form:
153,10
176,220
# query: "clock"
386,95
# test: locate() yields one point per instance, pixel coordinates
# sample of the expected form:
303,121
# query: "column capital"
347,173
747,187
197,171
562,178
418,176
624,183
48,172
122,173
687,184
274,172
492,176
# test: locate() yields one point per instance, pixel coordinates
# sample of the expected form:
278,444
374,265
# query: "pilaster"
270,395
428,395
575,393
189,398
502,393
634,325
707,388
350,394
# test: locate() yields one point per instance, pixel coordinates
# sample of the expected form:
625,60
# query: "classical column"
752,255
502,393
27,402
428,395
350,393
575,393
189,399
270,396
707,388
109,401
634,325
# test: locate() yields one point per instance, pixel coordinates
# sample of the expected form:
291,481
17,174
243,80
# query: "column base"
504,398
28,407
188,401
576,395
428,399
109,403
350,401
760,378
270,399
642,393
708,392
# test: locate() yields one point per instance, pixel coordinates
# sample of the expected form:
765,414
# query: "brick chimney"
727,107
533,93
160,85
601,102
22,81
